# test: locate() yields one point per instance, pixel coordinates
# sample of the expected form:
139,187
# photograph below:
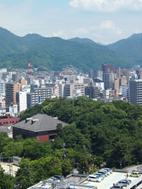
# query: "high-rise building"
71,89
89,91
117,86
10,93
2,88
38,96
21,100
108,76
124,91
135,91
56,90
2,102
67,90
79,89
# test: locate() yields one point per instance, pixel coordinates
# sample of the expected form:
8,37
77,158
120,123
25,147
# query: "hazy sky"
103,21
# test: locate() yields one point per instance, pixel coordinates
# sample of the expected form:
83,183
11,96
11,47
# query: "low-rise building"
8,120
41,126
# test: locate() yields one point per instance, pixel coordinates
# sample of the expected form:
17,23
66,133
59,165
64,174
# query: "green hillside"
129,49
53,53
56,53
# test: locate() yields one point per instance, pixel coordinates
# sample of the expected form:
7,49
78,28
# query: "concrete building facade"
135,91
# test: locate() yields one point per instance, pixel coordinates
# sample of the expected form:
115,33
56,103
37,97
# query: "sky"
104,21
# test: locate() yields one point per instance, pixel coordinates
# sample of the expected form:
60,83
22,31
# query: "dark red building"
8,120
41,126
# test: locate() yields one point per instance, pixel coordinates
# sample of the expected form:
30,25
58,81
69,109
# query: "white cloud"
82,31
28,16
110,25
107,24
59,33
107,5
105,32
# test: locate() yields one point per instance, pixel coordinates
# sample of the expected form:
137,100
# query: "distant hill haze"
55,53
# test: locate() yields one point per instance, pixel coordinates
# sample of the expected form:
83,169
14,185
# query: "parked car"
100,178
103,172
135,174
59,177
124,182
109,171
115,186
56,178
95,178
100,174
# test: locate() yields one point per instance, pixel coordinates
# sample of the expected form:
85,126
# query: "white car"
95,178
103,172
109,171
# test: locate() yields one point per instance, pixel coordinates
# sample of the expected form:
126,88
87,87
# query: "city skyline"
100,20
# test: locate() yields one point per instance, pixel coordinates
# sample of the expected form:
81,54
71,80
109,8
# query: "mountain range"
56,53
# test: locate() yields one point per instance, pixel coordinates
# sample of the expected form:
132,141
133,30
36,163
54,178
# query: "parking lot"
107,183
81,181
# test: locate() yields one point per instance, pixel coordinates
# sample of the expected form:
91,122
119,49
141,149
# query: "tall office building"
2,88
38,96
135,91
79,89
108,76
67,90
89,91
10,93
117,86
21,99
124,91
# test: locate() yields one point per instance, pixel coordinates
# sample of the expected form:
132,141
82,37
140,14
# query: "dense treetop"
103,130
97,134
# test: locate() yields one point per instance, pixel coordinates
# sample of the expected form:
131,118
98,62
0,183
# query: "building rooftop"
39,122
72,182
82,182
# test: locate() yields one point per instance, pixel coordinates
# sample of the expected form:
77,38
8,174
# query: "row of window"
7,122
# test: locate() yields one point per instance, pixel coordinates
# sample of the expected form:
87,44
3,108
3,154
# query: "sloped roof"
42,122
